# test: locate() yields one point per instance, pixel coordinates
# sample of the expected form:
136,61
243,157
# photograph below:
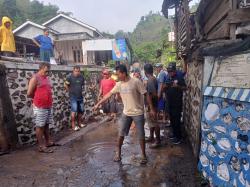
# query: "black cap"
172,66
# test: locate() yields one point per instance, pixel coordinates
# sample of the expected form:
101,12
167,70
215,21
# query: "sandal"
76,128
53,144
83,125
143,160
117,157
44,150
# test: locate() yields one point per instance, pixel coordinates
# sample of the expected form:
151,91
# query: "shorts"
161,104
110,106
76,105
45,55
42,116
151,122
125,123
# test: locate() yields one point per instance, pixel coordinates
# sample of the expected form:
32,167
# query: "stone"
212,112
12,74
222,172
24,92
16,93
25,138
20,105
204,160
19,117
220,129
23,98
22,74
23,85
211,151
243,124
14,86
224,144
29,74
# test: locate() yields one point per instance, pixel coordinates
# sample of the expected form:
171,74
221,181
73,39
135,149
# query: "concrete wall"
18,75
64,25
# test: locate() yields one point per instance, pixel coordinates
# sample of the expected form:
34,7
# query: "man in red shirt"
40,91
106,85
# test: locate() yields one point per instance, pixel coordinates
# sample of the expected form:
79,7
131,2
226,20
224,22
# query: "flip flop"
117,158
143,160
45,150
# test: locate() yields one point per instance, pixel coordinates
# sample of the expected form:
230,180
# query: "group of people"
8,46
133,93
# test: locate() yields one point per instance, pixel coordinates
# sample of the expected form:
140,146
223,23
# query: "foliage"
149,39
194,8
21,10
111,64
86,73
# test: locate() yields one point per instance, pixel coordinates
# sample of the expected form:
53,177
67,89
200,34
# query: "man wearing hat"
175,85
161,79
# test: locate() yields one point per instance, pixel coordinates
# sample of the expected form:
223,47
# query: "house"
68,34
215,43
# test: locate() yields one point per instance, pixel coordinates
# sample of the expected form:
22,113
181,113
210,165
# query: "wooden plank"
218,15
239,16
221,32
233,6
211,8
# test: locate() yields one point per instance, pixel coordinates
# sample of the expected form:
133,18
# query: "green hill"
149,39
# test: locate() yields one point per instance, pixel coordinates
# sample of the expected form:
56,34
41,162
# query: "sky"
109,15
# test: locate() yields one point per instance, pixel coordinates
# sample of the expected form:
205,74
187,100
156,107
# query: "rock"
243,124
241,179
234,135
20,105
24,138
23,98
16,93
12,74
211,151
22,74
14,86
203,146
235,164
19,117
204,160
220,129
212,112
228,119
222,172
224,144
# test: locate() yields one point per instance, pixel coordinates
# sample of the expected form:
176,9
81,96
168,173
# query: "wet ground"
88,161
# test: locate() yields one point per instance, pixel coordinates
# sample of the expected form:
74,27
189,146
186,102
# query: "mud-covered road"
88,161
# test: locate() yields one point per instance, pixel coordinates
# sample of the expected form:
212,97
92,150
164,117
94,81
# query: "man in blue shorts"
74,84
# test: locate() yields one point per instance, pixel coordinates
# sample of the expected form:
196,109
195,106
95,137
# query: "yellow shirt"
7,41
132,94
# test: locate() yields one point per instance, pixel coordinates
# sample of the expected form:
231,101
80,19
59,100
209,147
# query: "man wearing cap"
161,79
175,85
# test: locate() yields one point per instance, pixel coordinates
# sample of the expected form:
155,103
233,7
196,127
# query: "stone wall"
193,103
18,75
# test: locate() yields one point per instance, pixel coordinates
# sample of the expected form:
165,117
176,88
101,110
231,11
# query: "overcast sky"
109,15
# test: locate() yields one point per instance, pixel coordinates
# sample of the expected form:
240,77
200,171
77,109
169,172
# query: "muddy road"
88,161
